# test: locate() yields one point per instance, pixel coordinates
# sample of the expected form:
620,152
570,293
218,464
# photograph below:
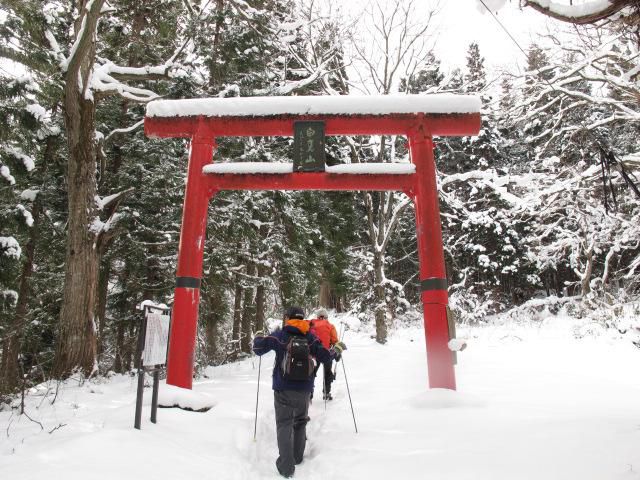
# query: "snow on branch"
108,78
55,47
103,81
492,180
124,130
29,162
6,173
101,203
601,78
84,38
581,14
395,216
10,247
292,86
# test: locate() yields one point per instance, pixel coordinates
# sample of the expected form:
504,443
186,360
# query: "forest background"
541,208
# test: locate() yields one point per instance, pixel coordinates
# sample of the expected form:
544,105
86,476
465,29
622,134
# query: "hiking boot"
327,396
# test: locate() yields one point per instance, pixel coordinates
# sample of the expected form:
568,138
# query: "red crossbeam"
449,124
309,181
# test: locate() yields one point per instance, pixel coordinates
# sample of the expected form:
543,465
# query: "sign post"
153,341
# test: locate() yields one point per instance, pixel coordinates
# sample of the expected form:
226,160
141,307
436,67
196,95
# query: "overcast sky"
462,23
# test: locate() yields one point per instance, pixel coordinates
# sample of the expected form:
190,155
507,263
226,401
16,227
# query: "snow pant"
327,367
328,376
292,408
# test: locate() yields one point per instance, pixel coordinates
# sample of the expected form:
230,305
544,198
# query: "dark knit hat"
294,312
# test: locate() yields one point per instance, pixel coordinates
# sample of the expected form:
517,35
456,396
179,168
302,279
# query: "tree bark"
76,343
248,311
261,293
214,68
212,332
381,302
215,299
237,309
153,273
118,362
324,296
76,346
585,284
381,223
101,310
9,369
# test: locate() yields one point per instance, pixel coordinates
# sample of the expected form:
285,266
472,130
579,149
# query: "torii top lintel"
437,114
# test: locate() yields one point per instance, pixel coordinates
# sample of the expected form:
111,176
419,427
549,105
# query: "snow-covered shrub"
472,307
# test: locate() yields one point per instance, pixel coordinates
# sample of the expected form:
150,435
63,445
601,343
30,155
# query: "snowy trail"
533,402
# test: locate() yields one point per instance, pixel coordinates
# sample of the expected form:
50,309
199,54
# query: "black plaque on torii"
308,147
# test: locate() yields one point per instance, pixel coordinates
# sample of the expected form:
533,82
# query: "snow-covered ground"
553,400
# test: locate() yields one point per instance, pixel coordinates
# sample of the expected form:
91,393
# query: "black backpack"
297,364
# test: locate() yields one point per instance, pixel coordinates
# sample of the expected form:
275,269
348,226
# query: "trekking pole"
344,370
341,337
324,386
255,423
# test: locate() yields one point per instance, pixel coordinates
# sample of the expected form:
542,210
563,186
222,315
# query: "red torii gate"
418,117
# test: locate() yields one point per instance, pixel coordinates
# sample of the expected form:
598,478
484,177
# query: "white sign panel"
156,340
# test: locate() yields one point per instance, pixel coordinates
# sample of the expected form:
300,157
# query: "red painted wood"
450,124
421,186
182,343
431,257
310,181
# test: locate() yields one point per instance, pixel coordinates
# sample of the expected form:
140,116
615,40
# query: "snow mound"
437,398
457,344
351,322
172,396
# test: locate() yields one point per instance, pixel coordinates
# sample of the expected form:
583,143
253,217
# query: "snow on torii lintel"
442,103
273,168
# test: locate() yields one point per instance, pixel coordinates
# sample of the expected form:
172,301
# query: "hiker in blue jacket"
293,382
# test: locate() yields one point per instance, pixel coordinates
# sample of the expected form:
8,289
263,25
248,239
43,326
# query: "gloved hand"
259,333
339,346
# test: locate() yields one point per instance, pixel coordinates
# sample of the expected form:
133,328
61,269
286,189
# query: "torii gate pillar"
433,278
182,343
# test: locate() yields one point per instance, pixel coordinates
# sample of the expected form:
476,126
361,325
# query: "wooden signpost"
153,342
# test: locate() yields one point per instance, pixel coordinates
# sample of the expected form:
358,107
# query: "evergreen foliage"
529,206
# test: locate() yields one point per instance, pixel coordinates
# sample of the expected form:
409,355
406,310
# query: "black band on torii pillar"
433,284
188,282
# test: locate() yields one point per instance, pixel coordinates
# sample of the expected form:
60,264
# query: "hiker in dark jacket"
291,397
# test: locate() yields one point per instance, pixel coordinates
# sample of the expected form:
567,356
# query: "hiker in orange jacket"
326,332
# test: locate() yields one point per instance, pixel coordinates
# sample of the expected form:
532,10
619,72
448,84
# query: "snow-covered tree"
401,50
86,76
